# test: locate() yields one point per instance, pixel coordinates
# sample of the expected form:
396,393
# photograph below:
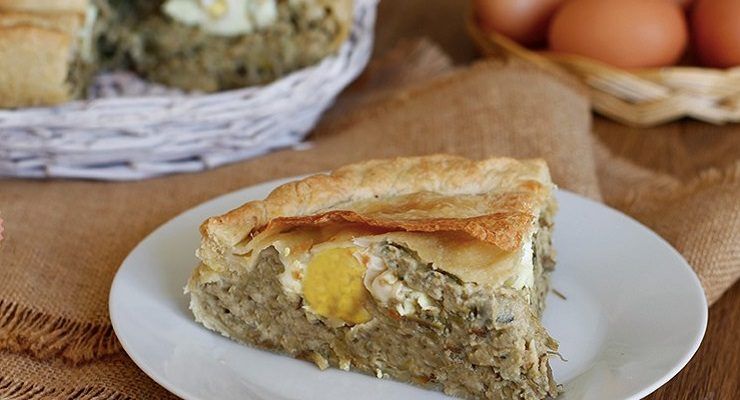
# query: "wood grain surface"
682,149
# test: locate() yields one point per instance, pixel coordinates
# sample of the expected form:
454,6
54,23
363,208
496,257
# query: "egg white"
240,16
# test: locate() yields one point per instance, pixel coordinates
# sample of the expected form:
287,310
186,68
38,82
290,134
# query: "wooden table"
681,149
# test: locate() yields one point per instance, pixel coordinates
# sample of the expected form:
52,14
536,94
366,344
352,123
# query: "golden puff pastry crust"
45,6
496,200
37,41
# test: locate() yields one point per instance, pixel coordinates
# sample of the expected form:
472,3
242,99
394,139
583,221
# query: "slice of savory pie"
46,51
429,270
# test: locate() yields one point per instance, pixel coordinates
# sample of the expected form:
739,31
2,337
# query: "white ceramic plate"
634,315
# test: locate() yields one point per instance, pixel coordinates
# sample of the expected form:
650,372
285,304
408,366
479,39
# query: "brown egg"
524,21
715,27
624,33
683,3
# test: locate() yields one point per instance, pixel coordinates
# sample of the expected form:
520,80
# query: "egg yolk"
333,286
215,8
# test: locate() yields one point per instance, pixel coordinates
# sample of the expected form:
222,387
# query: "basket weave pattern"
133,129
643,97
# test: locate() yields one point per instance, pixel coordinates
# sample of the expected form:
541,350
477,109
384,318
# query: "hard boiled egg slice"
223,17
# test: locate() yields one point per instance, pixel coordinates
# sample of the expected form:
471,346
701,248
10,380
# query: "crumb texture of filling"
140,35
464,339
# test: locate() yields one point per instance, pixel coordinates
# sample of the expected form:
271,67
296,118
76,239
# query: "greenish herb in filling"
137,35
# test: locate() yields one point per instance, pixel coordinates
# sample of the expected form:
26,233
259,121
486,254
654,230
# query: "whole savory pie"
428,270
50,49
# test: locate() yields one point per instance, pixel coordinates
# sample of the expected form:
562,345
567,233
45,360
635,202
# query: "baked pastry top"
47,6
488,209
38,40
494,200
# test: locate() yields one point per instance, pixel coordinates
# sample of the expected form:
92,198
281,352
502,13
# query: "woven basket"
133,129
642,98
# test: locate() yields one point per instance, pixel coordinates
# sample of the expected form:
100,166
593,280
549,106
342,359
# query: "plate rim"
271,184
697,341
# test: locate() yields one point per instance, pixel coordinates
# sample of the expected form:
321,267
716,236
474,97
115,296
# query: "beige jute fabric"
65,239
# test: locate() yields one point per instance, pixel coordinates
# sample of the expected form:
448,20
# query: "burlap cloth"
65,239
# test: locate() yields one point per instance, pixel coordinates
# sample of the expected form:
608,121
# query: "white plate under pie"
633,315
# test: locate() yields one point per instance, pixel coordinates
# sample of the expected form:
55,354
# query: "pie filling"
367,300
337,269
226,44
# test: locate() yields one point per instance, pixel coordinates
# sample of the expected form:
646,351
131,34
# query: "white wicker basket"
133,129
